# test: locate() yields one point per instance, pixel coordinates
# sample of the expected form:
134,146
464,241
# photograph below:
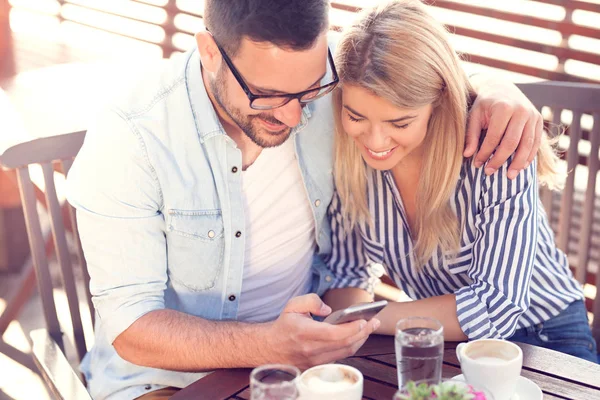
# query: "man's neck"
250,150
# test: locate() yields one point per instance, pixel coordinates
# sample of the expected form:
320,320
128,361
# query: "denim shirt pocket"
195,248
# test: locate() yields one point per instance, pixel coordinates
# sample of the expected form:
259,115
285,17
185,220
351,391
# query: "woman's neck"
406,176
408,171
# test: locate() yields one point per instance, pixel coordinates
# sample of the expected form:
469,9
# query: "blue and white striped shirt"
508,273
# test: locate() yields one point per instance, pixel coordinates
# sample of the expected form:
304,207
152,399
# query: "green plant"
448,390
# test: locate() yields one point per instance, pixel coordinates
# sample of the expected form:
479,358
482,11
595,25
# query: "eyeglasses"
269,102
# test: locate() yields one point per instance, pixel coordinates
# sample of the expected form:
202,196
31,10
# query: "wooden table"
560,376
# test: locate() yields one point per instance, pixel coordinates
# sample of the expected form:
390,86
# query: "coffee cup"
491,363
331,382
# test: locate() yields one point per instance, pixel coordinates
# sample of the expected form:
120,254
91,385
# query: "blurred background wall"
549,39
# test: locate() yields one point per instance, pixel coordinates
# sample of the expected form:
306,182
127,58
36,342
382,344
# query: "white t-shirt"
280,240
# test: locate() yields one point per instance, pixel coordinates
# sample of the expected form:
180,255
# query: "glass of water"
274,382
419,350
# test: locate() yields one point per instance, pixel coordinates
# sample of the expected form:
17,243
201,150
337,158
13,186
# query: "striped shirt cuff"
473,315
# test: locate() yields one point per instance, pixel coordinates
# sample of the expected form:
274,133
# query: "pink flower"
478,395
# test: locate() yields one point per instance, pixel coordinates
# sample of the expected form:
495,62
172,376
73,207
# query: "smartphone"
360,311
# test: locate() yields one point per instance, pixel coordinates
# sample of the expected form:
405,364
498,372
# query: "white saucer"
526,389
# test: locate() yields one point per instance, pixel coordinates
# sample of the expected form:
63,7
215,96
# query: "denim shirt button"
328,278
232,298
234,170
211,234
317,203
238,234
148,387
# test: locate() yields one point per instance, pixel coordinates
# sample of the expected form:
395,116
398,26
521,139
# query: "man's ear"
209,52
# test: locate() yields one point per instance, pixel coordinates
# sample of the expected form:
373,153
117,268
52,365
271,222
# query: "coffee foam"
330,379
483,349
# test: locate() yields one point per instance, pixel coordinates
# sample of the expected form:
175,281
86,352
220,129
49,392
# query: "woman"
474,251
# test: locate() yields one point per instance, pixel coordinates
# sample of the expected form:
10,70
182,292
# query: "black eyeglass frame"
289,97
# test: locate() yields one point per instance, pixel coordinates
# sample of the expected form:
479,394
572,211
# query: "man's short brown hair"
289,24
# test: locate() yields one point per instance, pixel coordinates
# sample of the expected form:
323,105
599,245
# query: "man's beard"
249,124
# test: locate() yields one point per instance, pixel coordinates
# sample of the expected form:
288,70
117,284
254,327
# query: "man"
201,198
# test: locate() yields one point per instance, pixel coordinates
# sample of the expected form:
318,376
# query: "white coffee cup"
494,364
331,382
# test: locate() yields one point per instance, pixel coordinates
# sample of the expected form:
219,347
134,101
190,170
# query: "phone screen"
356,312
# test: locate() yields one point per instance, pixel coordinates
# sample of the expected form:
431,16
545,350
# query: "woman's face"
385,134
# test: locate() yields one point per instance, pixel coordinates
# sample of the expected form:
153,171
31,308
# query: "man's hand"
512,123
295,338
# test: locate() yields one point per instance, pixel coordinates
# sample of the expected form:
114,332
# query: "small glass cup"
274,382
419,350
451,388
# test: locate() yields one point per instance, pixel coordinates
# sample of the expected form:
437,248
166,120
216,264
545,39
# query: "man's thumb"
307,304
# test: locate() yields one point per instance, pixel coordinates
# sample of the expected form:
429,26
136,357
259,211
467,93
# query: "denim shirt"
157,188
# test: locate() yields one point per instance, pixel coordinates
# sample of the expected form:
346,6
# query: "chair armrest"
60,378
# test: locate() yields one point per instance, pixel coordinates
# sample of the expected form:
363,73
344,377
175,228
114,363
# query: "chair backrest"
53,154
575,212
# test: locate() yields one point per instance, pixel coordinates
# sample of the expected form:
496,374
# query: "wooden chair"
575,212
43,106
52,154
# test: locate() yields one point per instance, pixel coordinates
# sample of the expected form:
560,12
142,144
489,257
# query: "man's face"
269,70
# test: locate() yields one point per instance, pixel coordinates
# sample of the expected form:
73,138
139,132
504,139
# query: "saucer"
526,389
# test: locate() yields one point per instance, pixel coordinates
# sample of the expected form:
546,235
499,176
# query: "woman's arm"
338,299
442,308
503,254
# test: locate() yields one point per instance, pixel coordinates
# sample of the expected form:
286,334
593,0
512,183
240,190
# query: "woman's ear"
210,55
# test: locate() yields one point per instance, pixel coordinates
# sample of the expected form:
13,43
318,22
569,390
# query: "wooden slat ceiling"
547,39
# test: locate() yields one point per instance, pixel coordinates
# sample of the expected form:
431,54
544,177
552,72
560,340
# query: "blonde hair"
399,52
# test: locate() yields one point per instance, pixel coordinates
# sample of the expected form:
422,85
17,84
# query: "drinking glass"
419,349
274,382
